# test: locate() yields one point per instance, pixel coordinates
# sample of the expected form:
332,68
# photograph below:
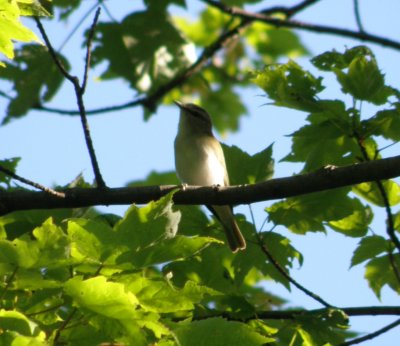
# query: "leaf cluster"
148,60
337,133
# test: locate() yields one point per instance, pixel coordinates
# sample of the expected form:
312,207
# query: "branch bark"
292,314
323,179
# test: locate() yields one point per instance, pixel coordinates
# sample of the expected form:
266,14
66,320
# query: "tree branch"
323,179
31,183
373,335
79,92
288,23
358,16
291,314
282,271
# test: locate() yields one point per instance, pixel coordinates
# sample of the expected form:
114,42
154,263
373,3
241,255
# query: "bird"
200,160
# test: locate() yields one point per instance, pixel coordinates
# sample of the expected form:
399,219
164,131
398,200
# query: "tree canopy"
160,273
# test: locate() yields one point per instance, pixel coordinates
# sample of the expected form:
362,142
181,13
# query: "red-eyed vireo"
199,160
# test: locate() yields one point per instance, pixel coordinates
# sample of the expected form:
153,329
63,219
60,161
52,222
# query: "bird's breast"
200,161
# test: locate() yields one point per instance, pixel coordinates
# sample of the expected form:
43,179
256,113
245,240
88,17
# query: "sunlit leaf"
101,296
288,85
11,29
356,224
146,226
372,193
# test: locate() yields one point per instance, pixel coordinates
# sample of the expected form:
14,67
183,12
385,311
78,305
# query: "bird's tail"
233,235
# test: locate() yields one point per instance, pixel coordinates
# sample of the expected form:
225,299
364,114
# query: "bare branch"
89,49
77,26
151,100
32,183
291,314
390,219
358,16
79,92
323,179
288,23
280,269
373,335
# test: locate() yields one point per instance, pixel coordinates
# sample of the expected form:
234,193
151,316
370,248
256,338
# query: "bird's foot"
216,187
183,186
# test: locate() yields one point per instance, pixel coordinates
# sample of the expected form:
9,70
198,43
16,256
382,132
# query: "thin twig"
75,29
390,219
373,335
276,264
288,23
5,95
79,92
32,183
151,100
358,16
64,325
53,53
89,49
287,11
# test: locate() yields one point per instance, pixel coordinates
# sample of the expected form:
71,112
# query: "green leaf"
159,295
193,222
202,269
379,272
372,193
102,297
356,224
11,29
309,213
225,108
279,247
363,79
20,222
248,169
32,8
175,248
290,86
329,129
207,29
11,165
92,242
64,8
146,59
22,252
218,332
327,328
333,60
385,123
272,43
17,322
36,79
369,247
143,227
53,245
